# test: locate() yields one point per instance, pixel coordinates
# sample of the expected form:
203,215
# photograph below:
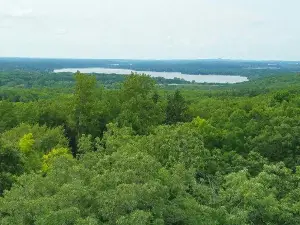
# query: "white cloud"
21,12
61,31
150,28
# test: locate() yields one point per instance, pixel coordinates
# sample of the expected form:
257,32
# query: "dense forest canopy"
84,149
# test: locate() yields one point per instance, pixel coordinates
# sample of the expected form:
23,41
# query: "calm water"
168,75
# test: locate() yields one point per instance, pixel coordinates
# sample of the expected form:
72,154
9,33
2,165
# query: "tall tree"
176,110
137,84
139,110
85,100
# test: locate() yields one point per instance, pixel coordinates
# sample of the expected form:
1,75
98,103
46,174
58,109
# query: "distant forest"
250,69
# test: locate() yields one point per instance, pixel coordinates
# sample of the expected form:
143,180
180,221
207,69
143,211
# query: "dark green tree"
176,110
11,164
139,110
85,100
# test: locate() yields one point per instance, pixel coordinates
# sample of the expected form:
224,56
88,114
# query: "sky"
150,29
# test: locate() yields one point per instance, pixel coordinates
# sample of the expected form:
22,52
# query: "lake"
168,75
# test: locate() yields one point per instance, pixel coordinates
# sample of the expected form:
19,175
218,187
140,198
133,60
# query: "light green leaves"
26,143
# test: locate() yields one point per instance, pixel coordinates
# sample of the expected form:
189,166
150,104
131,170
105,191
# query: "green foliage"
128,186
45,138
139,110
263,199
7,115
281,96
135,218
137,160
85,144
176,109
49,158
141,113
11,164
136,84
26,143
22,148
85,89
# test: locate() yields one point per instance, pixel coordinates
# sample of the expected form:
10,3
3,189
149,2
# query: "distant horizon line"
152,59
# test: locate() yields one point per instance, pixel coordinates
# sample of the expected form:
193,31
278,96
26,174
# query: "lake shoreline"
212,78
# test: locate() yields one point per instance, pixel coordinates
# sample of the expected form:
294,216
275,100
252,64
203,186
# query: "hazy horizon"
148,59
155,30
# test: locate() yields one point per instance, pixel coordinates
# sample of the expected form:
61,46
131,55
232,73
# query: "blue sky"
157,29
